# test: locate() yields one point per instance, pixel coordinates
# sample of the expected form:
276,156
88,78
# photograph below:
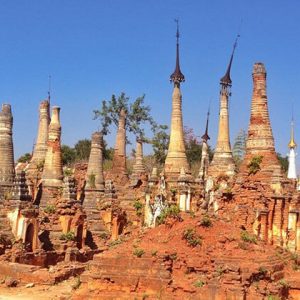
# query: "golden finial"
292,143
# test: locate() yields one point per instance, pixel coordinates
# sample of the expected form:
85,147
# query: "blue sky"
93,49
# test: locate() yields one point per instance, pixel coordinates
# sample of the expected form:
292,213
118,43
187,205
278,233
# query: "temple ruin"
161,233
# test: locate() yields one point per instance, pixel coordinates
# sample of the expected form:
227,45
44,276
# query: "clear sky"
94,48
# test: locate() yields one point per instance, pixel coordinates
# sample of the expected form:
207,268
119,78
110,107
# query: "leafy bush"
283,283
115,243
199,283
68,172
77,283
50,209
154,252
262,270
40,165
206,221
247,237
173,256
69,236
138,207
172,211
92,181
173,191
192,238
138,252
254,165
220,270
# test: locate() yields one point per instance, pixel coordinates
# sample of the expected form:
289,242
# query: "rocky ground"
192,257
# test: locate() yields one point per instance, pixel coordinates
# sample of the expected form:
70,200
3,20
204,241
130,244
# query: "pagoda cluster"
70,213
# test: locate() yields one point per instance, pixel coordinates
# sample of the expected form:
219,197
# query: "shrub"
138,207
173,256
173,191
138,252
77,283
50,209
273,297
69,236
192,238
206,221
220,270
254,165
283,283
104,235
154,252
40,165
262,270
114,243
247,237
199,283
68,172
171,211
92,181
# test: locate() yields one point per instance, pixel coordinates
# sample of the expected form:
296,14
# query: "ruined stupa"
40,148
260,141
139,167
52,177
119,158
94,174
7,168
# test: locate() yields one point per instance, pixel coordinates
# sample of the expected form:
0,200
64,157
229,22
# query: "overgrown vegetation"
206,221
115,243
92,181
199,283
50,209
138,205
248,238
262,270
69,236
138,252
77,283
254,165
283,283
220,271
172,211
25,158
191,237
68,172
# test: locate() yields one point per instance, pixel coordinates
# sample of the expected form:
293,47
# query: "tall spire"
177,75
292,172
205,136
226,80
49,91
176,158
292,143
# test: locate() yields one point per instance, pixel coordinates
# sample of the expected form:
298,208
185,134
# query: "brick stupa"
7,168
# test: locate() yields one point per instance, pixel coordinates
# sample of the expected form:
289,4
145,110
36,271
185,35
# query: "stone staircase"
131,274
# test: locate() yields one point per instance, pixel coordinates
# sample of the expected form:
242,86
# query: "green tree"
284,162
68,155
83,149
160,143
137,115
24,158
239,147
193,146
